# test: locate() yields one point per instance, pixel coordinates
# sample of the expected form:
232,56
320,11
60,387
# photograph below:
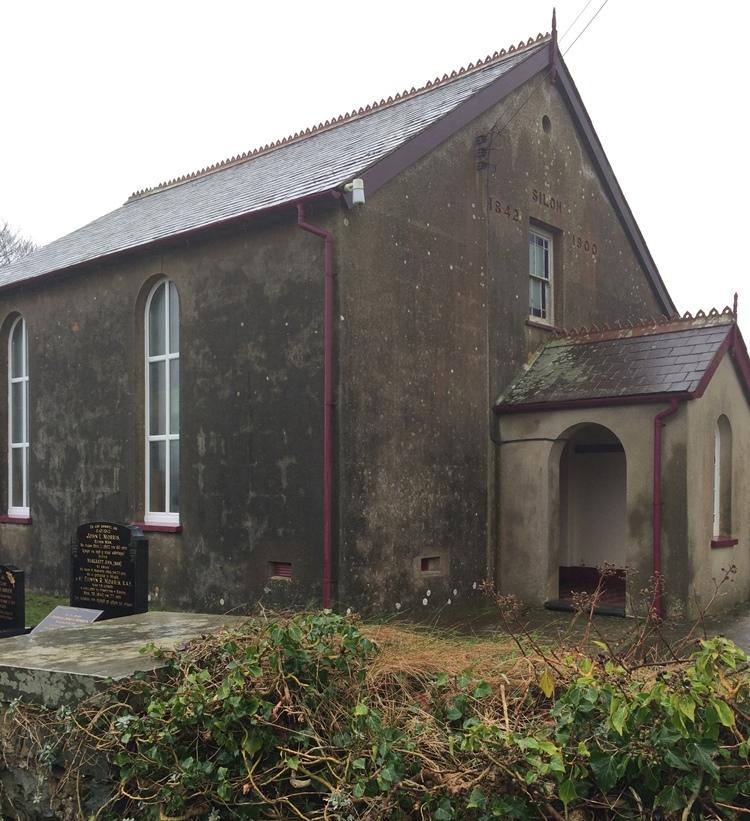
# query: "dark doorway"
593,519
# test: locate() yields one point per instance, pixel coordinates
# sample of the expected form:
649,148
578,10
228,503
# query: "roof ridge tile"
310,130
644,326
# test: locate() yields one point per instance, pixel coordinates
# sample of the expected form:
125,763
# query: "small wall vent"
281,569
430,564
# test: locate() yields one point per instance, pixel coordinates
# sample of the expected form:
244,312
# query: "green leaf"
702,755
361,709
607,769
547,683
482,690
464,680
387,777
601,645
252,743
444,812
723,710
686,706
675,758
671,799
620,716
678,722
567,792
477,800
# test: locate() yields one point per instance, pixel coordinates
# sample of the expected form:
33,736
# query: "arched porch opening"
592,514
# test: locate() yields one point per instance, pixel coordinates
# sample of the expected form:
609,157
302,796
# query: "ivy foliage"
285,719
672,737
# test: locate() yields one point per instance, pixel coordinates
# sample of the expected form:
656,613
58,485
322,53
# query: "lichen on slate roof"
671,356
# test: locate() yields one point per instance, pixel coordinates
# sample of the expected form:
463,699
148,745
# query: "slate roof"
305,165
676,356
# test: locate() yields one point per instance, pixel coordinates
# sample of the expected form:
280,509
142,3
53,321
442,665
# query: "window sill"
724,541
151,527
544,326
6,519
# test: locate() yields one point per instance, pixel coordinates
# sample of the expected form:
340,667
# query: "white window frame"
542,279
170,435
22,379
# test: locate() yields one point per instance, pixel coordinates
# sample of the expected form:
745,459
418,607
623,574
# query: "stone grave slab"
66,666
109,569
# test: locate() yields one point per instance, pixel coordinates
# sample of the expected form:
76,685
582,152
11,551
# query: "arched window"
163,404
18,420
722,478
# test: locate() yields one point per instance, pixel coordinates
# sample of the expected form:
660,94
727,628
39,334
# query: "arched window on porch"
722,478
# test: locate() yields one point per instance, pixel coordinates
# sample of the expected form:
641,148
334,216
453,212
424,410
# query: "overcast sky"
104,98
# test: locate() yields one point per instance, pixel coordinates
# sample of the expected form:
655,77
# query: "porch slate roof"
670,357
316,161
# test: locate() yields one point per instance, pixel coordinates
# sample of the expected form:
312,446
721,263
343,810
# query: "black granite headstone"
109,569
63,616
12,598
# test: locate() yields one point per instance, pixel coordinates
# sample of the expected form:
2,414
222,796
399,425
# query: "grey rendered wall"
433,288
251,419
724,395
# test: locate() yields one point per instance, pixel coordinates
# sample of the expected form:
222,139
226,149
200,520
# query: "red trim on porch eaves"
605,401
711,369
738,352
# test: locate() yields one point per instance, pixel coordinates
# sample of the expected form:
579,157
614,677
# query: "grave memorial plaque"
109,569
12,598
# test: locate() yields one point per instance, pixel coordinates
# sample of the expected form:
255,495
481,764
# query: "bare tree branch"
13,245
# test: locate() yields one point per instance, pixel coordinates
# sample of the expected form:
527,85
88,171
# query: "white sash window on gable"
540,275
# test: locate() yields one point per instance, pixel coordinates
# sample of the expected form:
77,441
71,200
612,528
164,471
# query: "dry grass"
413,652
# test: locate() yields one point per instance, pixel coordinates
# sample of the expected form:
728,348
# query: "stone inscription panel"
109,569
67,617
12,598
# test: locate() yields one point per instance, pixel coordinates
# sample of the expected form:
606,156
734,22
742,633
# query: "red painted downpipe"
327,398
674,404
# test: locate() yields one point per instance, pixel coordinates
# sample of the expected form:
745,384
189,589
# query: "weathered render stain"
431,287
